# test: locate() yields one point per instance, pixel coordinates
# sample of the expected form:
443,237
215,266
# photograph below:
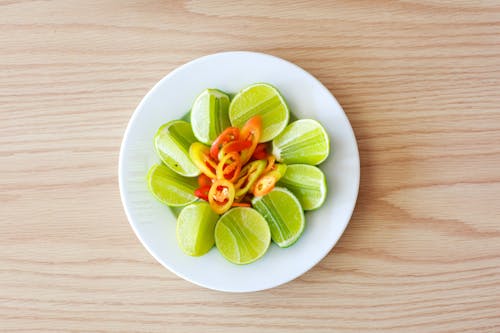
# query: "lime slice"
307,183
209,115
242,235
303,141
195,228
172,141
283,213
264,100
171,188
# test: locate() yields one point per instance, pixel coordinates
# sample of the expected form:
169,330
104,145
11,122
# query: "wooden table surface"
419,81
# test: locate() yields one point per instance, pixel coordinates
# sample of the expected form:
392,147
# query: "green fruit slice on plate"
283,213
171,188
263,100
242,235
195,228
209,115
172,142
304,141
307,183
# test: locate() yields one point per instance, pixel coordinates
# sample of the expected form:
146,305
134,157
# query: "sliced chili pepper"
260,152
235,146
241,204
200,155
229,167
251,131
228,135
265,183
202,192
221,195
204,180
270,163
210,164
248,176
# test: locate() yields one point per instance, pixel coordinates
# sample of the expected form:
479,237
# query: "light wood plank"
419,81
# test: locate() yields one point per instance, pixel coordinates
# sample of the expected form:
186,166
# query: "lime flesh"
304,141
307,183
242,235
171,188
195,228
209,115
283,213
260,100
172,142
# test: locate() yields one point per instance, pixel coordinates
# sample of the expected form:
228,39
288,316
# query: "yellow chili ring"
221,196
229,167
200,155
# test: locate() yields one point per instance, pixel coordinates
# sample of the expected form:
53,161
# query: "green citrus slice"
263,100
242,235
170,187
304,141
307,183
283,213
195,228
209,115
172,142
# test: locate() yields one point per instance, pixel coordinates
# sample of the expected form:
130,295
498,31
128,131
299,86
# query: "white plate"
171,98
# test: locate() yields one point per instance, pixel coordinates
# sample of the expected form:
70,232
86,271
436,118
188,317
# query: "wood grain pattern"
419,81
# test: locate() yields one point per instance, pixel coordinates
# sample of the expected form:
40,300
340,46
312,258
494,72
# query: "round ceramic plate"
171,98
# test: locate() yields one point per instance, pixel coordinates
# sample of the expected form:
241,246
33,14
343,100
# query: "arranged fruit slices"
233,203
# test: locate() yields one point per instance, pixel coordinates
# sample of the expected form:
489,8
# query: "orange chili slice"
228,135
229,167
266,183
251,131
270,163
236,146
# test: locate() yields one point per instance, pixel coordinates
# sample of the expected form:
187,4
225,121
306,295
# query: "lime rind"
283,212
172,141
169,187
267,102
304,141
209,115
